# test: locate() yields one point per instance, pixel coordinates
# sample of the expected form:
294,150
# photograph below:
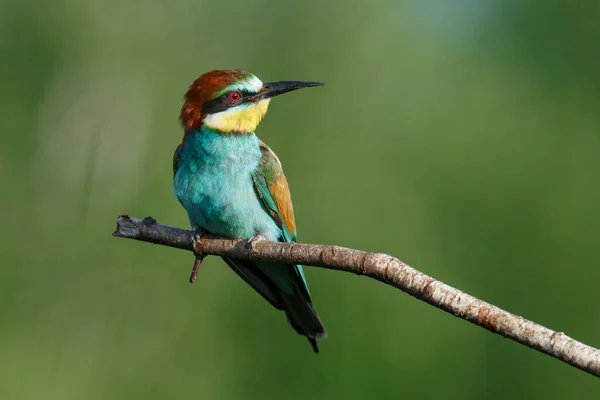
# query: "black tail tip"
313,343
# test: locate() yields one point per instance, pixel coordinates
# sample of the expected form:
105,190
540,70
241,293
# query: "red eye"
234,96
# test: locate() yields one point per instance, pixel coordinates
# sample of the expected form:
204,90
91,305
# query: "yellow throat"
243,118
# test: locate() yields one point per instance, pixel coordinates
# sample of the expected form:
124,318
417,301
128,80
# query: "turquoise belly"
214,184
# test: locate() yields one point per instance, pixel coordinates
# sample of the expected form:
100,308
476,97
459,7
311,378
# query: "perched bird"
232,184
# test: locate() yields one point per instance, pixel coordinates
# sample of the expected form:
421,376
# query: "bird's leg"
199,256
259,237
197,263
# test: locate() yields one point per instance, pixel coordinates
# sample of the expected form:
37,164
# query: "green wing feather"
272,188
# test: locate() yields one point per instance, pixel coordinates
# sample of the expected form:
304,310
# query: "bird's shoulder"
177,159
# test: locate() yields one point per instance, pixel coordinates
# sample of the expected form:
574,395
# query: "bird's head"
231,101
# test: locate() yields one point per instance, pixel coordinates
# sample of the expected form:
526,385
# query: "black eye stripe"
222,102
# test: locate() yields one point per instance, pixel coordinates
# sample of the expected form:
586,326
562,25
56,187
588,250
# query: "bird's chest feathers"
214,184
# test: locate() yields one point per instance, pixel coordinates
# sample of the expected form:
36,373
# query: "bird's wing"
272,188
287,282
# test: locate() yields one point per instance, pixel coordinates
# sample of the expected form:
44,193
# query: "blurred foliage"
462,137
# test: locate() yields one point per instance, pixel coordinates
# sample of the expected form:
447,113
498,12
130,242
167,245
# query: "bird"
232,184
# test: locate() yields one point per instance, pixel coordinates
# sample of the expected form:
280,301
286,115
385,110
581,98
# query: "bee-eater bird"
231,184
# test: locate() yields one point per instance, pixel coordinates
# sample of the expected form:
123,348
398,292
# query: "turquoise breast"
214,184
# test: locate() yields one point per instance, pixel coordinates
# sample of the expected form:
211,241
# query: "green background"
462,137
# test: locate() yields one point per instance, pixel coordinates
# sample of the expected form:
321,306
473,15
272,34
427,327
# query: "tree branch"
379,266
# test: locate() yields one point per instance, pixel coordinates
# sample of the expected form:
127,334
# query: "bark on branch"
379,266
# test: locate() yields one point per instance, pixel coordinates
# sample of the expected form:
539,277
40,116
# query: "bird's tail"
303,317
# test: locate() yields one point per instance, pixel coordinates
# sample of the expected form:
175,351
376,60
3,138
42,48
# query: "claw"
254,240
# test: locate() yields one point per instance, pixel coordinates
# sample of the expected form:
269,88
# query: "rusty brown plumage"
281,194
201,90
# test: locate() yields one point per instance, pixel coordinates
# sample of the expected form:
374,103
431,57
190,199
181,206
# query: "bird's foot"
200,232
148,221
199,256
254,240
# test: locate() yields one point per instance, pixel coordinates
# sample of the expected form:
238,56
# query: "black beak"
272,89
